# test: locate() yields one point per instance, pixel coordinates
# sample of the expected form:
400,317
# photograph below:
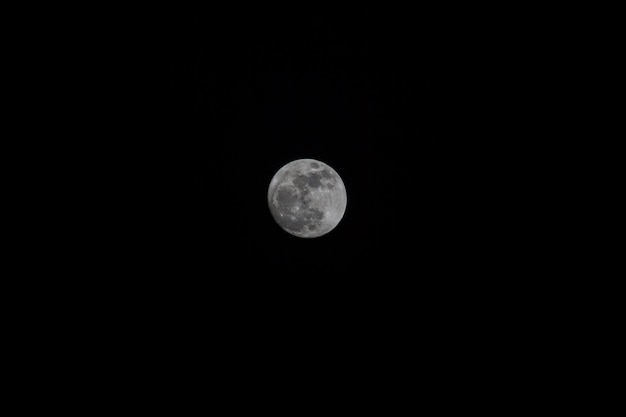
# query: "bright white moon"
307,198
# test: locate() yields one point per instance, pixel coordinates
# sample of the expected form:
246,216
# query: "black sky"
434,286
434,270
404,107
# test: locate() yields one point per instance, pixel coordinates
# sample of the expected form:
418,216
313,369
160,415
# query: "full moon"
307,198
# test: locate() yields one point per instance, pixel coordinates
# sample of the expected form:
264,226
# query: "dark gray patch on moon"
315,165
326,174
315,180
301,181
286,198
292,224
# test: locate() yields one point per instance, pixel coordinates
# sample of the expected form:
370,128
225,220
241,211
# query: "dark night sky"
430,276
179,279
409,109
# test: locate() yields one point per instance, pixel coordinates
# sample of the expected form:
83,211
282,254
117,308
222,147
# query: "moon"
307,198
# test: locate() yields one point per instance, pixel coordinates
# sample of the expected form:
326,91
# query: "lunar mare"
307,198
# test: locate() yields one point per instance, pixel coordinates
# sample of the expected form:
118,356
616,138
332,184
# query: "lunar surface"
307,198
